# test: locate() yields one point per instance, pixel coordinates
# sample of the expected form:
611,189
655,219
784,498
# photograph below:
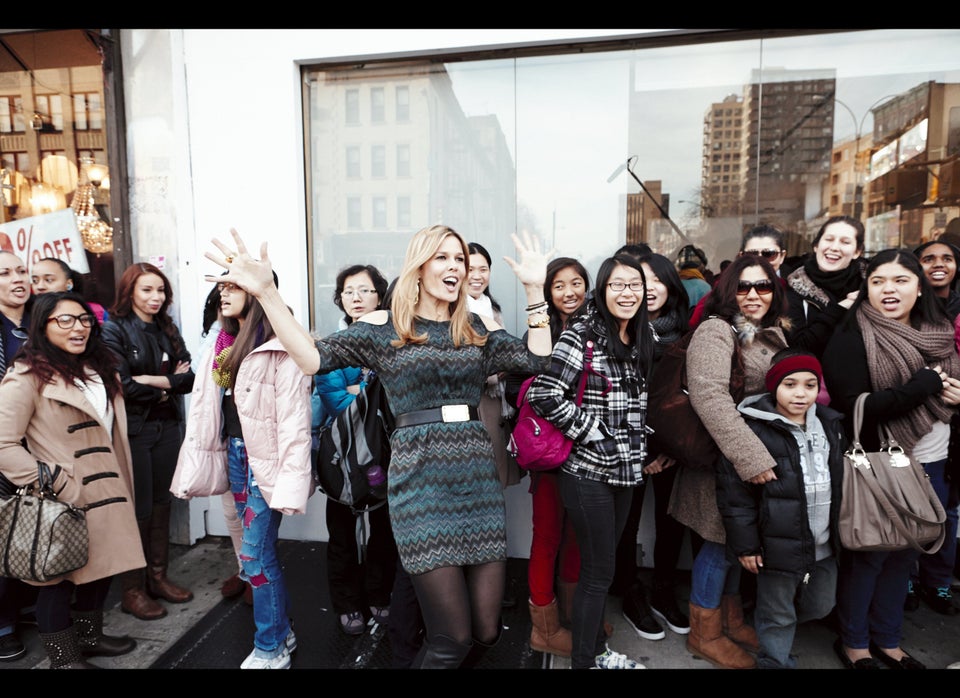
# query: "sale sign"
50,235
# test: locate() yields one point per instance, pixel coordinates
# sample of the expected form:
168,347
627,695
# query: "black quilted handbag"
41,538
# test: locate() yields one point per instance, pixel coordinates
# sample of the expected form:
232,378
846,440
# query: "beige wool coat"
694,498
62,428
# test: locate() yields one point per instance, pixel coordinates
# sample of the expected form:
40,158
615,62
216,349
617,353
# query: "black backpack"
351,452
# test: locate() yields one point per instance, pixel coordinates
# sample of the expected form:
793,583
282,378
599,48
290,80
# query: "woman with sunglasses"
746,308
823,289
62,404
762,240
156,374
597,480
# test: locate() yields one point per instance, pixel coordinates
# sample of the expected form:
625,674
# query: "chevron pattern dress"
446,501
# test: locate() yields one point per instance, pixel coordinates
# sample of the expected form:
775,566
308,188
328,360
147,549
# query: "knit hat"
792,364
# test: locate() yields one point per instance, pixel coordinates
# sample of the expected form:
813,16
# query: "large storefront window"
668,145
54,174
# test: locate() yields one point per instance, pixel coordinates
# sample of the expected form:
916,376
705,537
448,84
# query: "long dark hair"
379,283
722,301
637,332
47,361
255,330
554,267
928,307
678,301
123,305
477,248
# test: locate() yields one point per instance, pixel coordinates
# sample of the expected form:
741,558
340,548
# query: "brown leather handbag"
677,429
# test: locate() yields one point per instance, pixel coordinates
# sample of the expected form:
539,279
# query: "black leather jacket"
140,349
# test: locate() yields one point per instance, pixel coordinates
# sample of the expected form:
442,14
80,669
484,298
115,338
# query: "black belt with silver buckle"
447,413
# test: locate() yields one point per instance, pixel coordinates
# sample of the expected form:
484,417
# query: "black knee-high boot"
479,649
441,652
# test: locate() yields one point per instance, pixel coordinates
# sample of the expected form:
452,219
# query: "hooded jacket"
774,519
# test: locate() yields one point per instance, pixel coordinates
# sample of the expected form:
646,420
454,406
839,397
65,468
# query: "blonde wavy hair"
423,245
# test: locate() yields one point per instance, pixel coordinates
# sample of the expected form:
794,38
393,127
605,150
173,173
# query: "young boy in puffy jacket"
785,531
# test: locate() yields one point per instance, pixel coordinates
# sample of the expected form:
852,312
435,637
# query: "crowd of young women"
438,346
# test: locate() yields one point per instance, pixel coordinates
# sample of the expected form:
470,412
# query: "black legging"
462,603
53,602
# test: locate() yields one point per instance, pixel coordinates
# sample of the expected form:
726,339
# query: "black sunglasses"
764,287
766,254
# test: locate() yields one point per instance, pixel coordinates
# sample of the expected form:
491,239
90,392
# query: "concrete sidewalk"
932,638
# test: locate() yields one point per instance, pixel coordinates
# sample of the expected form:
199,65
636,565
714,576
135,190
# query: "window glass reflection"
668,146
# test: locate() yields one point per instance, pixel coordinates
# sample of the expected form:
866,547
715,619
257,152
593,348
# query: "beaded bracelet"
535,309
543,322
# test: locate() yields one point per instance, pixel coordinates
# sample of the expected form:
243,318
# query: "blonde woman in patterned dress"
433,357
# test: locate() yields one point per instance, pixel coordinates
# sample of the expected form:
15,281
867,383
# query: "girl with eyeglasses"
747,308
359,581
823,289
62,403
597,480
156,374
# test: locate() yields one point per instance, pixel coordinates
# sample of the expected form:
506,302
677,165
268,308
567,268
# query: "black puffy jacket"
771,519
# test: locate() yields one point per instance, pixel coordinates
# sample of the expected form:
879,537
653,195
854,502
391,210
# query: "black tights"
53,602
462,603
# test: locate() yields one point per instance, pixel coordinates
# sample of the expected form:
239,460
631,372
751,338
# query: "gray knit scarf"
895,352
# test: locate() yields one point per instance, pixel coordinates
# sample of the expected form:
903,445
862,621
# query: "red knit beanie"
792,364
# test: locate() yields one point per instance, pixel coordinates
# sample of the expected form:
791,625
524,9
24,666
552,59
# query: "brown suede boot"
547,635
731,612
565,592
706,640
158,585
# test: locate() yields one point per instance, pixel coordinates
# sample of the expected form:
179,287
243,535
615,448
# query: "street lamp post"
858,126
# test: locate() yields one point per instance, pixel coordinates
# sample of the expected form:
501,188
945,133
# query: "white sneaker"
290,641
615,660
260,659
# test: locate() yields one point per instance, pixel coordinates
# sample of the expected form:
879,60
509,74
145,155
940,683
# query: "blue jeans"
871,589
599,513
258,552
937,570
712,576
783,602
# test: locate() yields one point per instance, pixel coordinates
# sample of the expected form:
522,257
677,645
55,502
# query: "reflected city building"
719,136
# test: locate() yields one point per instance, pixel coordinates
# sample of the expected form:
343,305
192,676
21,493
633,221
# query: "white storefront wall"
215,141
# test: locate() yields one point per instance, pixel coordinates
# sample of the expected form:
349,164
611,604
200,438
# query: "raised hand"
252,275
531,269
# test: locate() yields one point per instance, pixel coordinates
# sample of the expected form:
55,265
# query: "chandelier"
96,235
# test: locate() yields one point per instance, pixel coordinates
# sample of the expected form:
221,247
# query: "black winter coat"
771,519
